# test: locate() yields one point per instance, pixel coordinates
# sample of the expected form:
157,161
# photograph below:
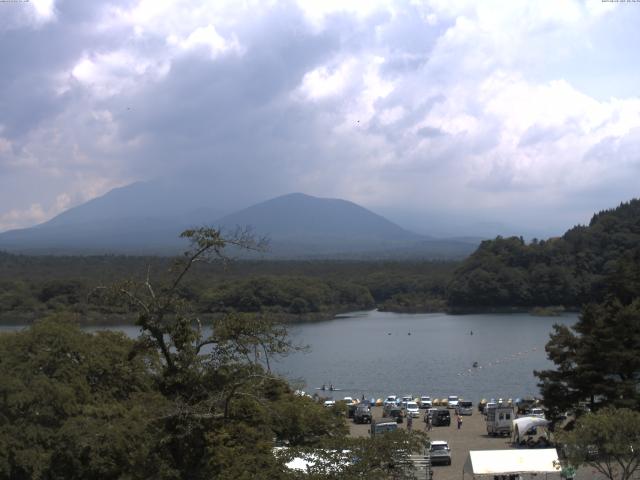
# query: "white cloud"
324,81
44,9
390,103
23,218
32,14
209,38
316,11
108,74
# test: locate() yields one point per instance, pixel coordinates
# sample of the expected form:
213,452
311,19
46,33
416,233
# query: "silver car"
440,452
412,409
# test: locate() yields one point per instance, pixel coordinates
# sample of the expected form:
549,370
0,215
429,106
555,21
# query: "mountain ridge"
141,218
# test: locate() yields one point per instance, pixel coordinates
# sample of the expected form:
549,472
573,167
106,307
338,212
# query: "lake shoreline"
538,311
94,319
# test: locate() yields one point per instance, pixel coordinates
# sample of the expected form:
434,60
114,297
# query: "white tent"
506,462
524,424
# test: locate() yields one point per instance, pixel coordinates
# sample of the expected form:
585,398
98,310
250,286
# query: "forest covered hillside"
567,271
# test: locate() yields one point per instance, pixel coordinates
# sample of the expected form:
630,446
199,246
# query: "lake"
380,353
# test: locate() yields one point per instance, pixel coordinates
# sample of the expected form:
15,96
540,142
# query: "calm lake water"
372,354
379,353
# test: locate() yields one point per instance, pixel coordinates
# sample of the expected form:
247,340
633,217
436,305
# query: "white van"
499,420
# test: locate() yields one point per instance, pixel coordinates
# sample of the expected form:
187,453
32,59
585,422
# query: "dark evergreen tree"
597,359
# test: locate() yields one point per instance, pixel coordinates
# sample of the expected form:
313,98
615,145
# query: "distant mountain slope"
146,219
570,270
141,200
300,225
141,218
302,216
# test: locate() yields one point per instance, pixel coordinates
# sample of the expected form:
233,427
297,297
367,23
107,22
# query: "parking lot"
471,436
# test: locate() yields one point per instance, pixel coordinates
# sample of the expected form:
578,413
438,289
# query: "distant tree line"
306,290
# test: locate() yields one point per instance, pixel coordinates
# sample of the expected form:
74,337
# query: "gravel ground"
471,436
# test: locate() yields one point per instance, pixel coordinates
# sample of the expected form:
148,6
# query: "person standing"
459,419
409,422
428,419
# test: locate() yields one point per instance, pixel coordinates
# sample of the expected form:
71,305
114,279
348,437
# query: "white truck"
499,419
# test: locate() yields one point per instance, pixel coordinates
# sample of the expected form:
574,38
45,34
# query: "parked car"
441,418
537,412
453,401
386,409
524,405
465,407
412,409
329,403
429,414
393,411
391,399
440,452
406,398
378,428
425,402
489,406
362,414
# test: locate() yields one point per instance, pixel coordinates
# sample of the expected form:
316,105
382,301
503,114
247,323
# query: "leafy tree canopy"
607,441
188,399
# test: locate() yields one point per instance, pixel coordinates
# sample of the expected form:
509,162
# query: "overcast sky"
526,113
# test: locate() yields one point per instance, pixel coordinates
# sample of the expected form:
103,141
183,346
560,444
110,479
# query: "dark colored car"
362,414
441,418
351,410
394,412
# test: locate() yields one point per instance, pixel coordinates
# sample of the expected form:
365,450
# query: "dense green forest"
567,271
31,286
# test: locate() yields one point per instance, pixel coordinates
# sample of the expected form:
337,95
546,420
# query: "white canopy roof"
525,423
501,462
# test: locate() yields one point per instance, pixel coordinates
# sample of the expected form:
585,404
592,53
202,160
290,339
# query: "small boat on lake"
475,364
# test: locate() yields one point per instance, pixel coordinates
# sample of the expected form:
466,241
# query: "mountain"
298,215
140,218
146,218
142,200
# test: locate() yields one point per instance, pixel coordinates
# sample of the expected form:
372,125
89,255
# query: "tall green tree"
596,360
